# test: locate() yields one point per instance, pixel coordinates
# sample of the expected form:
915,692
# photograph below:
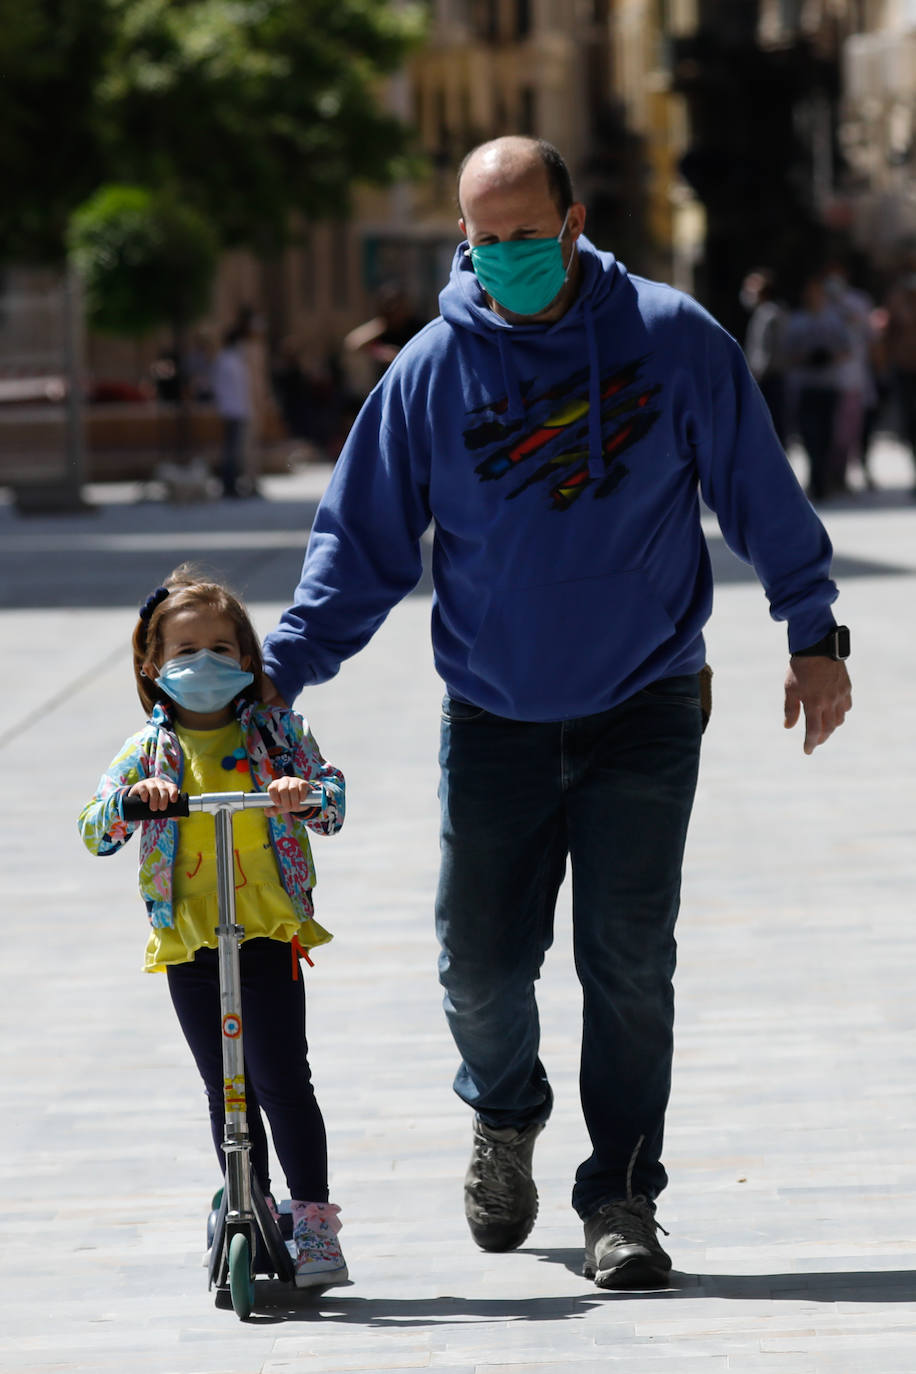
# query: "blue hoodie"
562,467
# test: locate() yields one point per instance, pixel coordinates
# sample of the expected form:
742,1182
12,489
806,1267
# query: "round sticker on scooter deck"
232,1026
234,1093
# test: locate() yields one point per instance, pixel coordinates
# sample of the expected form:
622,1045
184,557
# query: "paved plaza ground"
791,1140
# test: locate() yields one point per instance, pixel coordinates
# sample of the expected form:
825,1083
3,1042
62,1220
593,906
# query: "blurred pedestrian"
292,389
232,398
198,366
900,349
858,392
382,338
168,377
764,343
816,342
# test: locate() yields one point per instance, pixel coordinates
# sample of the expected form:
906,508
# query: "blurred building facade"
591,76
878,131
705,137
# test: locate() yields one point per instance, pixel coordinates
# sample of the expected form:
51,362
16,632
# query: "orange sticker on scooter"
232,1026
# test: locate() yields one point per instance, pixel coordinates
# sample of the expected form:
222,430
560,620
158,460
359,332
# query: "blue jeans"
614,792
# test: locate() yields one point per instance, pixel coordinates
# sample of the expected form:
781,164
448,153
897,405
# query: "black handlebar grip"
136,809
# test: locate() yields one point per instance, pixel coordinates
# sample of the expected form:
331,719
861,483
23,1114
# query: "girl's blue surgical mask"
203,682
524,276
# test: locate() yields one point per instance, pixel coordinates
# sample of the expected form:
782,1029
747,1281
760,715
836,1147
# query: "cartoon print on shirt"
559,435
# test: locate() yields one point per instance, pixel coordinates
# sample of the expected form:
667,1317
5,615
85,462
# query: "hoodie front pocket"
560,650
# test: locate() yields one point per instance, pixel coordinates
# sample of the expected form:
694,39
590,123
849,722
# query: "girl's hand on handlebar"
156,792
290,794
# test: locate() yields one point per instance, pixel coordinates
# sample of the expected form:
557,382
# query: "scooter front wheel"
241,1284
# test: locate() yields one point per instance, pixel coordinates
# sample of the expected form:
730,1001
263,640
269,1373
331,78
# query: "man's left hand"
822,687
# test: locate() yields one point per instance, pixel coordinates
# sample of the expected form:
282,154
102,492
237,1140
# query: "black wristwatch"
834,645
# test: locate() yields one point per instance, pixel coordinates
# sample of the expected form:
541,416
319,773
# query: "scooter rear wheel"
241,1284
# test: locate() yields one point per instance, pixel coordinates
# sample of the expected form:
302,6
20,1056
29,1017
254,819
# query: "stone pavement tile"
374,1362
638,1361
861,1360
347,1349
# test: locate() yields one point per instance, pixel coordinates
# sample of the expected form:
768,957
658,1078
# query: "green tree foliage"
249,110
145,260
52,59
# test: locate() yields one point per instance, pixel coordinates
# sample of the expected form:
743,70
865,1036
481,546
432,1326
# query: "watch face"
842,641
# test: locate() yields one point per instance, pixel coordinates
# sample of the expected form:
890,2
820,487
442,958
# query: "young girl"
197,664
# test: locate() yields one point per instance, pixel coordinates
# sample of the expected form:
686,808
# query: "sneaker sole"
498,1245
326,1279
634,1272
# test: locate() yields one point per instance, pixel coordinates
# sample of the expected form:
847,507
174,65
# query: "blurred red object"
103,391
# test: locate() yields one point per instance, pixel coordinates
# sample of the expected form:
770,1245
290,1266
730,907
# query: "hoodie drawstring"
516,409
596,468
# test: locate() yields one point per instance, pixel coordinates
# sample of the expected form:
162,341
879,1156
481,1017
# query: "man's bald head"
504,162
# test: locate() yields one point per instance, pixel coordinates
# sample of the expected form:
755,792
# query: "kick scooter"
245,1238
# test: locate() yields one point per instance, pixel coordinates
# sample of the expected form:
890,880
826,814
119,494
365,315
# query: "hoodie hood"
463,303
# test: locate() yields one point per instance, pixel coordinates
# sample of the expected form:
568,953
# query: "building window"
522,18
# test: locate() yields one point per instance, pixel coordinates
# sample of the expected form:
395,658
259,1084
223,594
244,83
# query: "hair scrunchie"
151,602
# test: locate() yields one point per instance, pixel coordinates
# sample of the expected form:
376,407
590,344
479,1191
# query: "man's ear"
576,219
462,228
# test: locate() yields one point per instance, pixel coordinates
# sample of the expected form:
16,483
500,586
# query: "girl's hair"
188,587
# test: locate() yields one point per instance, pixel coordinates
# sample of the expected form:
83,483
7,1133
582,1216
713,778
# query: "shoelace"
632,1220
494,1196
633,1213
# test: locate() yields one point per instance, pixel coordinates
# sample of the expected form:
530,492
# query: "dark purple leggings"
278,1076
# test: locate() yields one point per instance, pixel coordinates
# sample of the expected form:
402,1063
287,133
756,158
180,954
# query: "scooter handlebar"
135,809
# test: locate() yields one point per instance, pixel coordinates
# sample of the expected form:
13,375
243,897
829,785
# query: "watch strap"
835,645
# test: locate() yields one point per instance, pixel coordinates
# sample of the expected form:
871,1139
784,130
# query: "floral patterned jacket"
278,742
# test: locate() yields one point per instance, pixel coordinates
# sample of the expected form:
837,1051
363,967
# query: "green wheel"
241,1285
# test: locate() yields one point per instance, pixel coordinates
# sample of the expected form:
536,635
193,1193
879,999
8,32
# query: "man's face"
496,206
501,203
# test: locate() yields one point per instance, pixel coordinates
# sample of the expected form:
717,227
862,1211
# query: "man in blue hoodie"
558,423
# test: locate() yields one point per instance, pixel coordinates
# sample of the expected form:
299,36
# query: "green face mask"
524,276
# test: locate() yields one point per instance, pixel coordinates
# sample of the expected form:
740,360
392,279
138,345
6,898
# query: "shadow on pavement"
726,568
276,1302
866,1285
117,555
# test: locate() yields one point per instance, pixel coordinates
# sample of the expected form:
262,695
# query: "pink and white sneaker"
319,1258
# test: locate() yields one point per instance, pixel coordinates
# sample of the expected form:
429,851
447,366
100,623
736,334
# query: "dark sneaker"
622,1248
500,1199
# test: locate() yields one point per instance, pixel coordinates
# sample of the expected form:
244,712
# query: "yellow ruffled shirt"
261,905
